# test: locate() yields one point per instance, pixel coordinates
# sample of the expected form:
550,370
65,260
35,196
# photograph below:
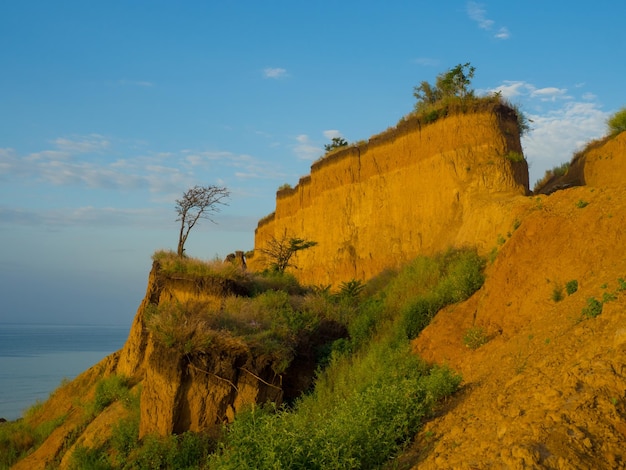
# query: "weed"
593,308
516,224
580,204
514,156
501,240
608,297
475,337
557,293
493,255
571,286
622,285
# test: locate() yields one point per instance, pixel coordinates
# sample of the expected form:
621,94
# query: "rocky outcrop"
405,192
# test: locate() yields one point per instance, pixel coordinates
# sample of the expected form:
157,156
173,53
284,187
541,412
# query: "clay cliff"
411,190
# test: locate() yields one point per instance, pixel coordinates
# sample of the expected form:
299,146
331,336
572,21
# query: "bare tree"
199,202
280,250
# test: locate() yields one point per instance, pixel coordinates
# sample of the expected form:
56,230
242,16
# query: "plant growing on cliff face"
197,203
279,251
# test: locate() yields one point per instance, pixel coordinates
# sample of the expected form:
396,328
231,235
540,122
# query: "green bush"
593,308
571,286
617,122
362,427
84,458
109,390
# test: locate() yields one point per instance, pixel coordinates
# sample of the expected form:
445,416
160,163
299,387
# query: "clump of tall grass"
271,323
18,438
171,263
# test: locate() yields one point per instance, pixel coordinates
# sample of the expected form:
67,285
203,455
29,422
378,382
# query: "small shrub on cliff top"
617,122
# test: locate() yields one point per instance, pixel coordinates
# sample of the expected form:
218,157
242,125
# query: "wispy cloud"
331,133
478,13
94,162
82,144
513,89
274,72
305,149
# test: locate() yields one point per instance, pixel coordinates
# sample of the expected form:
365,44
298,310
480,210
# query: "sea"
36,358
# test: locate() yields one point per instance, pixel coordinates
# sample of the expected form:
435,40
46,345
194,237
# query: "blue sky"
109,110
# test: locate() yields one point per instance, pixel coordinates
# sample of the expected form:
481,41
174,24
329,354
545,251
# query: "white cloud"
85,216
503,33
305,149
84,144
274,72
550,93
477,13
330,133
511,89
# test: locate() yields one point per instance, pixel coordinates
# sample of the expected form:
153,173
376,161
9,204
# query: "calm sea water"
34,359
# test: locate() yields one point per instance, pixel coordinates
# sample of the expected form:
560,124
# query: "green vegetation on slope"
371,393
374,394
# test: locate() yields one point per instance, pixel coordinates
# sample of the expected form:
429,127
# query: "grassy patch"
475,337
557,293
593,308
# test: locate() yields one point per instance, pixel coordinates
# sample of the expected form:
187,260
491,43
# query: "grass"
557,292
593,308
21,437
475,337
18,438
170,263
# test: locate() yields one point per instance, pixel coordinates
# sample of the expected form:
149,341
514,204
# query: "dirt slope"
549,388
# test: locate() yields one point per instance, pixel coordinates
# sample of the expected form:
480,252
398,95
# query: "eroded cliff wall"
405,192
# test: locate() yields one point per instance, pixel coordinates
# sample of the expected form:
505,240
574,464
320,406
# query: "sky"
110,110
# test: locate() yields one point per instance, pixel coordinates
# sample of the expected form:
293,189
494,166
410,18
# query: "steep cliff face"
194,390
405,192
